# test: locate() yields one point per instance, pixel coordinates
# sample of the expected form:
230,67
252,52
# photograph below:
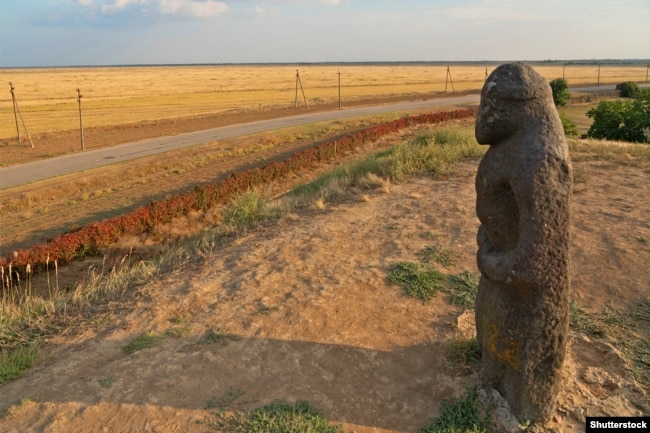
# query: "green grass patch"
276,417
246,210
336,182
143,341
463,288
462,415
13,364
432,152
437,254
107,382
417,280
282,417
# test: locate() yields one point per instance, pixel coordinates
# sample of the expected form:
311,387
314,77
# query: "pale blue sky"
106,32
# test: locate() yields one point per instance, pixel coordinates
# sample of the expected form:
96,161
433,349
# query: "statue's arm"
497,265
539,210
510,266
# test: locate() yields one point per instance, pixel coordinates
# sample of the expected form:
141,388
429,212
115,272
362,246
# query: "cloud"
85,3
199,9
189,8
117,5
260,12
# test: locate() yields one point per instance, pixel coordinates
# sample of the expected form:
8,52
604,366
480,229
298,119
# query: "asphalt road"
52,167
58,166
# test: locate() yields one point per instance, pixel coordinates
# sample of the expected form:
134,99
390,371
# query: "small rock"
578,414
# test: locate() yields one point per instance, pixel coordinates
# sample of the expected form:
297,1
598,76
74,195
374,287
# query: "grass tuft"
220,336
432,152
282,417
417,280
143,341
437,254
463,351
14,363
276,417
463,288
107,382
245,210
462,415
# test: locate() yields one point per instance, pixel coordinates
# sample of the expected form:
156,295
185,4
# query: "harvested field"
132,95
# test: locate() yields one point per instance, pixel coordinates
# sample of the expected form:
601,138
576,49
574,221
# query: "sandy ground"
317,320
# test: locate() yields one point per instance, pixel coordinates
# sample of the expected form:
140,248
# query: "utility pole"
298,82
13,99
81,125
449,80
598,75
295,102
647,67
17,110
340,89
486,74
563,67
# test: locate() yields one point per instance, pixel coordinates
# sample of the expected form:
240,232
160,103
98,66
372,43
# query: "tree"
628,89
561,94
622,120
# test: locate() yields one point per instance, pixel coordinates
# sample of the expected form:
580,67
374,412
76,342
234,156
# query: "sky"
122,32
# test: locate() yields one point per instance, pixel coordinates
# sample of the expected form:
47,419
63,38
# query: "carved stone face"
503,98
494,121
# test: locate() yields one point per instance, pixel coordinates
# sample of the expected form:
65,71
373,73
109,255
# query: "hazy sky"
104,32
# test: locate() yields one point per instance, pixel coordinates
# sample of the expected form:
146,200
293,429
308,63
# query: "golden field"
121,95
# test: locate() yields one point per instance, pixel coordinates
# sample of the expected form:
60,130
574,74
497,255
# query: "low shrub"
561,94
628,89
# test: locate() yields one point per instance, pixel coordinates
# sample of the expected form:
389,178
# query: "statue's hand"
495,265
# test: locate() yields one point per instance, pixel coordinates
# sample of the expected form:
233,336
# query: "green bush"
622,120
628,89
561,94
570,128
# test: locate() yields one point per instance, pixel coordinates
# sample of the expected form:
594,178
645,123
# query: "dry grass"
115,189
119,95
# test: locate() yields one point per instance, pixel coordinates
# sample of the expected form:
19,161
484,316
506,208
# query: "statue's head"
505,95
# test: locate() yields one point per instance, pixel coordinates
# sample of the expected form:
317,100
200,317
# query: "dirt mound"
302,310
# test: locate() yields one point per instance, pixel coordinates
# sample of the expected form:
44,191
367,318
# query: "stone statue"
523,188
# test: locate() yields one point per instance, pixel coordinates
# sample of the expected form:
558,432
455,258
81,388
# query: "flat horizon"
574,62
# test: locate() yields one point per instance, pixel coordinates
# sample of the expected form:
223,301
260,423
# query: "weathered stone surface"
523,187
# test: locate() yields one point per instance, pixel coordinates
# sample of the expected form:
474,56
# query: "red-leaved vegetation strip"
90,239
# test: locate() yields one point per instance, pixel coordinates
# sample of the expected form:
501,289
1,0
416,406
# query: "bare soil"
317,320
